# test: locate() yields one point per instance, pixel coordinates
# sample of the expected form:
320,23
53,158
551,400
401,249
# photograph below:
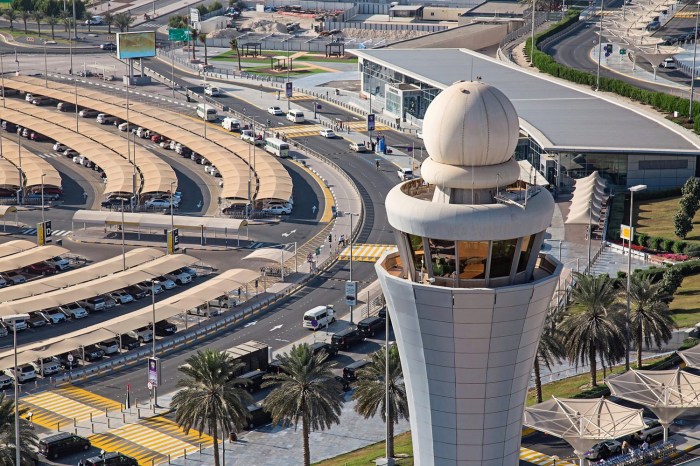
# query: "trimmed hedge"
660,100
685,268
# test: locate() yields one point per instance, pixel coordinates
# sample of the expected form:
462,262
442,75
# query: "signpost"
154,378
173,240
43,232
194,15
351,293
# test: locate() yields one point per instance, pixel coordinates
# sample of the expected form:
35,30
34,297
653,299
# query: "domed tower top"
470,124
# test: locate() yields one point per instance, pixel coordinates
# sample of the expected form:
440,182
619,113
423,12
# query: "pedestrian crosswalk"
49,155
32,231
262,244
686,14
66,406
535,457
152,441
366,252
300,131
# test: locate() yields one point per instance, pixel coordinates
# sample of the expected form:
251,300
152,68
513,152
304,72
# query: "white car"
419,134
74,311
212,91
70,153
160,204
669,64
278,210
53,316
275,111
248,136
59,262
18,324
94,21
25,373
122,297
29,97
327,133
58,147
109,346
46,366
125,126
165,282
179,277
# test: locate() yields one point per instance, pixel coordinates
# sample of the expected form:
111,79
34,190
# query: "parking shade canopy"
15,246
33,166
269,254
139,220
668,394
30,256
221,285
98,286
583,423
132,258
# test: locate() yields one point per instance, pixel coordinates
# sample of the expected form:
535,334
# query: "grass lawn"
265,71
686,305
403,449
18,34
655,218
323,59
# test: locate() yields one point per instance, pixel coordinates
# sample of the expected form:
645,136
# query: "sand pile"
264,25
389,36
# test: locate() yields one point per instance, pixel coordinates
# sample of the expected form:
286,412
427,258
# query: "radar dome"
470,124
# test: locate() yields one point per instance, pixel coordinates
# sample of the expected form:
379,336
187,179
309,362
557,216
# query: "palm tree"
550,349
11,15
25,14
67,20
52,21
211,397
88,19
650,321
38,16
371,391
27,437
233,43
596,330
304,389
123,21
108,19
194,34
203,40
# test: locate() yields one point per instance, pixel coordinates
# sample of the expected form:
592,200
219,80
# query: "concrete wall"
467,355
659,171
472,36
212,24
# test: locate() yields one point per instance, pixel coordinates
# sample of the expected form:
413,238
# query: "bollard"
124,418
75,423
108,426
92,426
168,458
185,450
138,412
106,411
200,448
58,426
90,416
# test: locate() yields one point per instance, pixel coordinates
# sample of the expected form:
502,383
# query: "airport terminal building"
567,131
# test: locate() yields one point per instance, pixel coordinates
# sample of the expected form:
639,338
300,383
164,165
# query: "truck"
253,354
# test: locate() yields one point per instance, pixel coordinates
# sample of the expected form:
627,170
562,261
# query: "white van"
105,119
277,147
296,116
322,316
206,112
231,124
405,173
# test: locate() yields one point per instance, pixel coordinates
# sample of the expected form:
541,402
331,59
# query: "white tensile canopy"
583,423
587,200
691,357
666,393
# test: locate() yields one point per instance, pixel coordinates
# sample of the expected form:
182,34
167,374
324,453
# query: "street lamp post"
693,72
633,189
153,336
289,61
2,77
172,216
351,214
13,319
42,197
600,45
123,244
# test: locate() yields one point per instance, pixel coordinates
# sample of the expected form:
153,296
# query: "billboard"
136,44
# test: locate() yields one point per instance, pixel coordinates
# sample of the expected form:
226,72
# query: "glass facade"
415,243
444,260
502,253
473,256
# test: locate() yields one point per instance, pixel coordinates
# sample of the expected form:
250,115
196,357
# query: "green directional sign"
178,35
623,51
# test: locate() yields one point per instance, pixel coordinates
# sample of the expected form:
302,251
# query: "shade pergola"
668,394
583,423
33,166
587,200
30,256
691,357
274,255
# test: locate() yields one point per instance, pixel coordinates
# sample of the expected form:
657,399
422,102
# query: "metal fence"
331,25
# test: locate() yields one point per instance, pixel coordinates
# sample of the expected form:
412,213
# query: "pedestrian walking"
373,145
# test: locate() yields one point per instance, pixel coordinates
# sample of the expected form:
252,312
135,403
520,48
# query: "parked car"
88,113
129,342
180,278
165,328
108,46
165,282
59,263
344,383
62,444
74,311
41,268
138,291
154,286
604,450
15,324
143,334
6,382
160,204
371,325
13,277
46,366
669,64
92,353
36,320
251,381
347,338
652,432
53,316
94,304
188,270
112,459
66,362
25,373
110,346
319,346
350,371
121,297
278,210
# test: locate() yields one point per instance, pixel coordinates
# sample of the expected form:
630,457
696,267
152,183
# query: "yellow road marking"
66,405
540,458
365,252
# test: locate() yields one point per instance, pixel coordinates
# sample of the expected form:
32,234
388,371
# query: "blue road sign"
370,122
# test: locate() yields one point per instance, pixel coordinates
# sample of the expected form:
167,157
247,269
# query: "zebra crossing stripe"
30,231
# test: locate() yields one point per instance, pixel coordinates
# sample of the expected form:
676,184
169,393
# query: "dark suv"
345,339
111,459
371,325
350,371
254,378
323,346
165,328
65,443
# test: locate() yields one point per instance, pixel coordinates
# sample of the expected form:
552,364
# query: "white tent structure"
668,394
583,423
273,255
587,200
691,357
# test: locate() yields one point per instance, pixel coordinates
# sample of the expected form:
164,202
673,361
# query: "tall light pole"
172,216
123,243
351,214
21,173
42,197
692,72
532,44
14,318
600,45
633,189
153,335
46,68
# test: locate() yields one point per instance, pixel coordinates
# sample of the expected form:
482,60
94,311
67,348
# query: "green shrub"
621,275
215,6
671,280
667,245
655,243
641,239
679,247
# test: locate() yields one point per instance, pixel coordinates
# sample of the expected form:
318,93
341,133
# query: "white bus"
277,147
206,112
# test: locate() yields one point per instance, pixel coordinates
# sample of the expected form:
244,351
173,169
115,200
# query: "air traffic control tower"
468,289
